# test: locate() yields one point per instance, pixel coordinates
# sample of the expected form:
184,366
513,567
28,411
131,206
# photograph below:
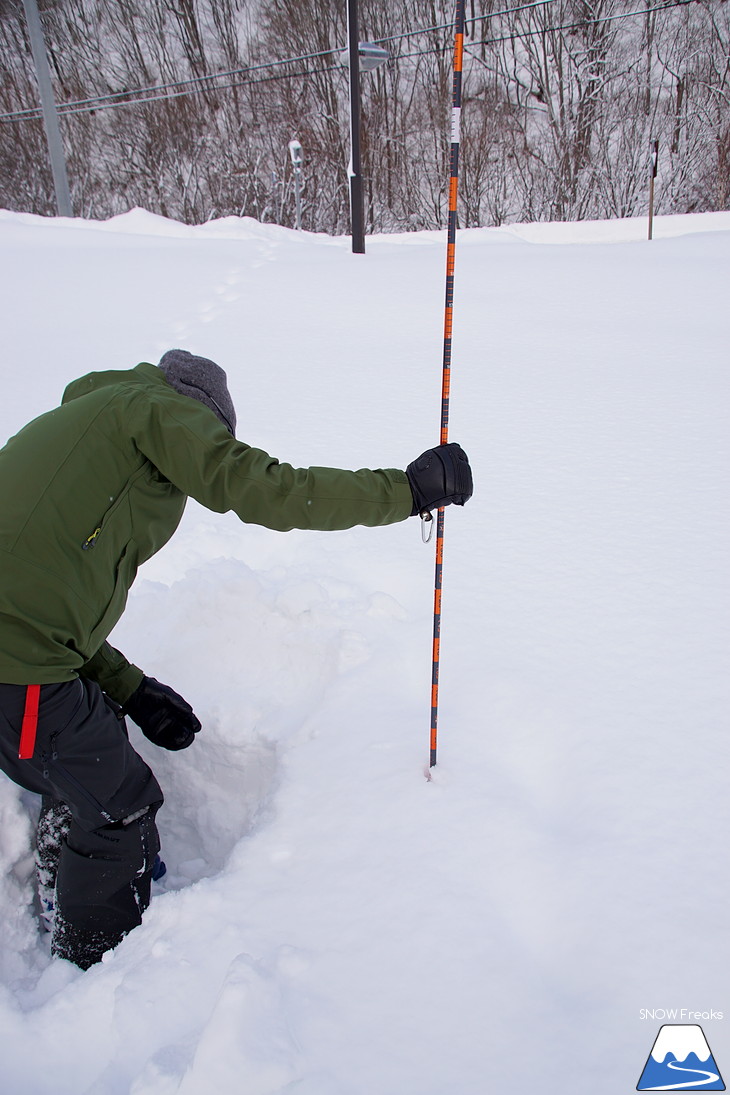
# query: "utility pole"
357,205
48,107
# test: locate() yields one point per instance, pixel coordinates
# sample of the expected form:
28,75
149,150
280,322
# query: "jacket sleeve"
190,447
113,673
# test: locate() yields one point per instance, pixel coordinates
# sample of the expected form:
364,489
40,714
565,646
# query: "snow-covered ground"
334,923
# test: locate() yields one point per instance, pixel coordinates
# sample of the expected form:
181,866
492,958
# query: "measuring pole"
446,378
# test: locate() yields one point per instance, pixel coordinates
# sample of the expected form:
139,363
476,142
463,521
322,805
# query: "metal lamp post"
48,108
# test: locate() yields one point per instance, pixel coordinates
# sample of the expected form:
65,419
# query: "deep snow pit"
260,649
210,805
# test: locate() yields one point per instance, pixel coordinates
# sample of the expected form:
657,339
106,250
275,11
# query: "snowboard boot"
53,825
159,870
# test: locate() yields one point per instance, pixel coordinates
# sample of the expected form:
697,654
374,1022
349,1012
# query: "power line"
118,99
111,98
123,95
544,30
474,19
178,94
581,23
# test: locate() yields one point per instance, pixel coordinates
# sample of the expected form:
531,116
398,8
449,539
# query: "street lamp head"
371,56
295,151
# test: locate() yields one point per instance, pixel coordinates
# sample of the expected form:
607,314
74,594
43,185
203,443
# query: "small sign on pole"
652,175
297,159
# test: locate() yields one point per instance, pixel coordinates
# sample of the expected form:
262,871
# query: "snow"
681,1040
334,923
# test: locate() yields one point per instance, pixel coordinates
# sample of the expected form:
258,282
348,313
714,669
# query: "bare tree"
176,105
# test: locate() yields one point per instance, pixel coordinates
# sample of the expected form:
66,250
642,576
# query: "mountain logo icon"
680,1060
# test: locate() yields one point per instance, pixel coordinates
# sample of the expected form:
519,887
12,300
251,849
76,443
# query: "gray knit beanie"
201,379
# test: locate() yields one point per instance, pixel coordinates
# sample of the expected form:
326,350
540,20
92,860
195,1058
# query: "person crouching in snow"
88,492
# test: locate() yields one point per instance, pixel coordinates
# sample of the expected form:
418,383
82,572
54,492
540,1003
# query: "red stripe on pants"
30,722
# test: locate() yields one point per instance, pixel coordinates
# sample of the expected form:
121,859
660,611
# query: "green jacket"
92,489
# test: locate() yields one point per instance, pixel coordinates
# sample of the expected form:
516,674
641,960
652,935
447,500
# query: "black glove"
162,716
439,477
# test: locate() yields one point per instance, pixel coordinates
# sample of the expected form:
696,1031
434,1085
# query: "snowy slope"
335,924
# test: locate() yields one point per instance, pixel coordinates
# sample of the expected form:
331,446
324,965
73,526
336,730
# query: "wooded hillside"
185,107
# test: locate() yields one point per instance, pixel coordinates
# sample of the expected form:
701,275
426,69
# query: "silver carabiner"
426,525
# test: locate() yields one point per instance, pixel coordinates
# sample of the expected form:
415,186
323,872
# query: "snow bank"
333,923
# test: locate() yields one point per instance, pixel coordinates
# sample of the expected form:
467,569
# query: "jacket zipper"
90,540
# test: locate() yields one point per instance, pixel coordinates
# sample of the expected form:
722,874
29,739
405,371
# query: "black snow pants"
82,757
